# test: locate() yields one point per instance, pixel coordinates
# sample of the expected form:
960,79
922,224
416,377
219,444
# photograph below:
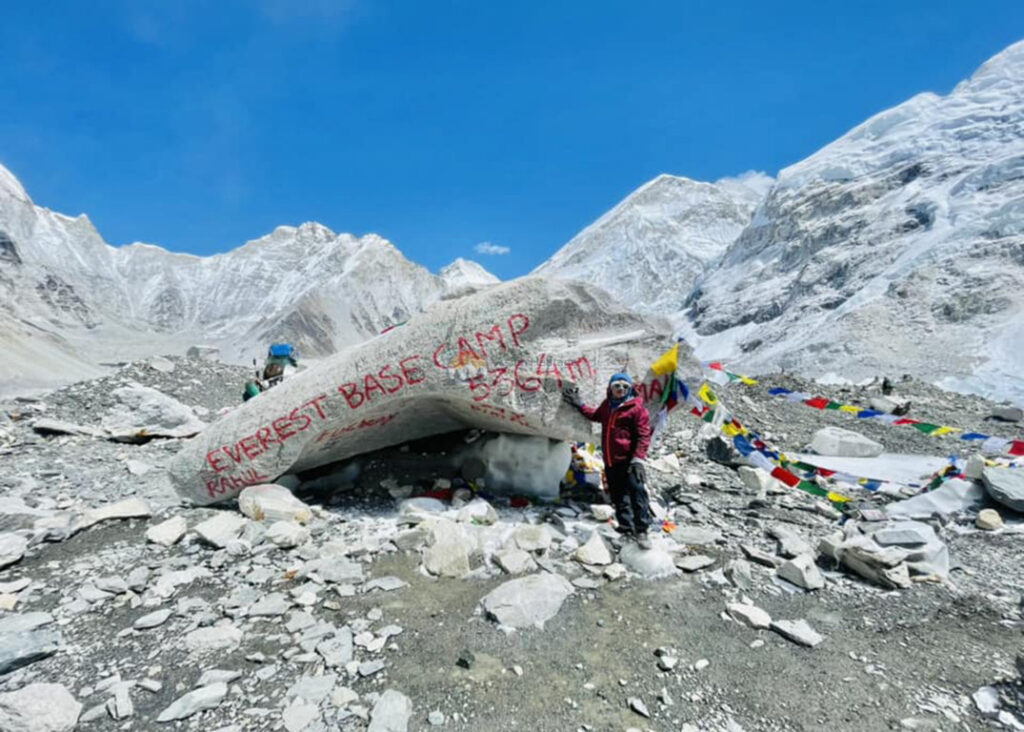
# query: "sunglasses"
619,385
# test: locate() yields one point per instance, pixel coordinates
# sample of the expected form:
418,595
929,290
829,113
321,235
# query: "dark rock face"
62,297
8,251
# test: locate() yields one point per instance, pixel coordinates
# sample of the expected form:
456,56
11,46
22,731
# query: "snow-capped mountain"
651,248
898,248
72,301
464,276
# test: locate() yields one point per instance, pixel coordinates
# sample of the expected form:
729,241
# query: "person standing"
625,438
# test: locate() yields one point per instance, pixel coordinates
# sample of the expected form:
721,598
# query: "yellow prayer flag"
668,362
945,430
730,429
706,395
849,408
837,497
748,381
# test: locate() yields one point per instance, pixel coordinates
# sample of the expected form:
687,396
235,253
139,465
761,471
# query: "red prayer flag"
817,402
1017,447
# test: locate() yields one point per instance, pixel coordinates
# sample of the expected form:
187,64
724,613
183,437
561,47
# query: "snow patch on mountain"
652,247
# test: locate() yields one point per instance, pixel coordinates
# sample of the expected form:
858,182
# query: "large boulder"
837,442
143,413
496,361
1005,486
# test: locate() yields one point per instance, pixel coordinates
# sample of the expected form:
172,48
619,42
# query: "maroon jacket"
625,431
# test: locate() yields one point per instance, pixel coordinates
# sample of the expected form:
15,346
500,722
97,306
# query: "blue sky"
200,125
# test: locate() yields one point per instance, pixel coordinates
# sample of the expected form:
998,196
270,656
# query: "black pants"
629,497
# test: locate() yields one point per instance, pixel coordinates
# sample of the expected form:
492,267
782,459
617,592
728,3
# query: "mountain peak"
10,186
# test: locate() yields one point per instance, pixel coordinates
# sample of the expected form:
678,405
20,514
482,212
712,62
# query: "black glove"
637,472
571,395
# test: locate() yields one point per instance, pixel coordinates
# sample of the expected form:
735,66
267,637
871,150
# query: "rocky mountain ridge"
73,301
898,248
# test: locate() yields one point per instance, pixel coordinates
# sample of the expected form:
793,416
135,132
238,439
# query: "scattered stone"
802,572
287,534
447,555
217,675
206,697
694,562
986,699
667,663
214,638
299,715
386,584
797,631
369,668
1008,413
790,545
594,551
989,520
756,555
739,572
26,646
169,532
638,706
837,442
515,561
531,538
337,651
477,511
391,713
695,535
12,548
271,502
701,664
436,718
271,604
137,467
529,601
39,708
221,529
602,512
749,615
152,620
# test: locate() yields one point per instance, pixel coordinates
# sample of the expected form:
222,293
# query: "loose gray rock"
594,551
694,562
638,706
169,532
152,620
206,697
797,631
802,572
529,601
39,708
749,615
23,647
1005,486
221,529
837,442
12,548
391,713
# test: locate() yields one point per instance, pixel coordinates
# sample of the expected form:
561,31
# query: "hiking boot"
624,530
644,541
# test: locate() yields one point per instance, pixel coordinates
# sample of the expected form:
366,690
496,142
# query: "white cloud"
485,247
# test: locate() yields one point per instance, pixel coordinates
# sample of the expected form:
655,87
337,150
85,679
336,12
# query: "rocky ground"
152,614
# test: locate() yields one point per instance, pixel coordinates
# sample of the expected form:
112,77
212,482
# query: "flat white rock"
39,708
